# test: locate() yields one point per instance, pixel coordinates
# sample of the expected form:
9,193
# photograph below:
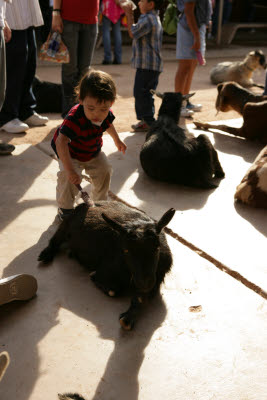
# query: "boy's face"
145,6
95,111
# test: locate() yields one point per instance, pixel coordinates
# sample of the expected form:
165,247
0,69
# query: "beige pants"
98,169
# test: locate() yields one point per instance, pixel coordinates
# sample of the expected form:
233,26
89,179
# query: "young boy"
147,41
78,141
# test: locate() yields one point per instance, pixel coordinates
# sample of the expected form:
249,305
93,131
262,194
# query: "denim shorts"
185,40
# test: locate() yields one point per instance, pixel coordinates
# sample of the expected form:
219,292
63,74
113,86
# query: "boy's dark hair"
97,84
158,3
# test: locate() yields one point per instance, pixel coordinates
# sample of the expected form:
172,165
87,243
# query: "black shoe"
64,213
6,149
115,62
105,62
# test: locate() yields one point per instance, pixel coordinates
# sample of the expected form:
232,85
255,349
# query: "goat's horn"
187,96
160,95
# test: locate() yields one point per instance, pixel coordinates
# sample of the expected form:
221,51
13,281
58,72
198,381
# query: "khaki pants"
98,169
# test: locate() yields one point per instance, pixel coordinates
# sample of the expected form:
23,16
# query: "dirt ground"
124,105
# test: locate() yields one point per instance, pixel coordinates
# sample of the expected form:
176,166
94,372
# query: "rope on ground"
236,275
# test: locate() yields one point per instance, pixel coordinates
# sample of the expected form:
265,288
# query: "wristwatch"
56,11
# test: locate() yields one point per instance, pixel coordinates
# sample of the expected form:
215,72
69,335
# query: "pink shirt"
111,10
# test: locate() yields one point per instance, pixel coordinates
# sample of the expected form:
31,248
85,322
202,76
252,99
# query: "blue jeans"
116,30
80,40
20,70
145,80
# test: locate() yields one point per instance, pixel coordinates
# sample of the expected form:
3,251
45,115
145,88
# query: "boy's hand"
121,146
74,178
127,7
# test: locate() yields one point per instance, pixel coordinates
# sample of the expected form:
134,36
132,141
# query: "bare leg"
184,75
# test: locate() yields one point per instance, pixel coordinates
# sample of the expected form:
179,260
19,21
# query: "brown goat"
253,107
232,96
239,71
253,188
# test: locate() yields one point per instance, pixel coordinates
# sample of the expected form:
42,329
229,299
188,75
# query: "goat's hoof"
46,256
125,322
220,174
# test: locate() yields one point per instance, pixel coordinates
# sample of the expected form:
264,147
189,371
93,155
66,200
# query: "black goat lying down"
122,247
48,96
172,155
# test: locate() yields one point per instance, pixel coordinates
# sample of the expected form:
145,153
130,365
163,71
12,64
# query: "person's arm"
7,32
57,23
64,155
130,17
118,143
189,10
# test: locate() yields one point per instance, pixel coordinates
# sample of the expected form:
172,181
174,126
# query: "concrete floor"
68,338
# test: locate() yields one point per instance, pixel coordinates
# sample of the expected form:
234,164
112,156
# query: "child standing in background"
112,13
78,141
147,41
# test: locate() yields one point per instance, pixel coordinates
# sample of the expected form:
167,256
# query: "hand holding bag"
54,49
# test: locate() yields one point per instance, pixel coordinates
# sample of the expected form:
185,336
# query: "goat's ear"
165,219
219,87
160,95
115,225
187,96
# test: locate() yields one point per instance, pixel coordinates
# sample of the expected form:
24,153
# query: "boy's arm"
130,19
118,143
64,155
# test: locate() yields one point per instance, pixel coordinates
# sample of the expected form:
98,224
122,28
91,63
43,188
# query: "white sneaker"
36,120
15,126
186,113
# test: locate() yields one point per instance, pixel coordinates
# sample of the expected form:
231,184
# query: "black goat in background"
171,154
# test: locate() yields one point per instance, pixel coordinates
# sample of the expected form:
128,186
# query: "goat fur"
252,190
48,96
239,71
253,107
122,247
232,96
171,154
70,396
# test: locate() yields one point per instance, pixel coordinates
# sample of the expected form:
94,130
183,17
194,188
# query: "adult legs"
80,40
184,75
69,71
16,66
145,80
116,29
265,87
86,46
2,68
106,23
28,101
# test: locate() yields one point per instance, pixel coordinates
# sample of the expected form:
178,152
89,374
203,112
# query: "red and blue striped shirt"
85,137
